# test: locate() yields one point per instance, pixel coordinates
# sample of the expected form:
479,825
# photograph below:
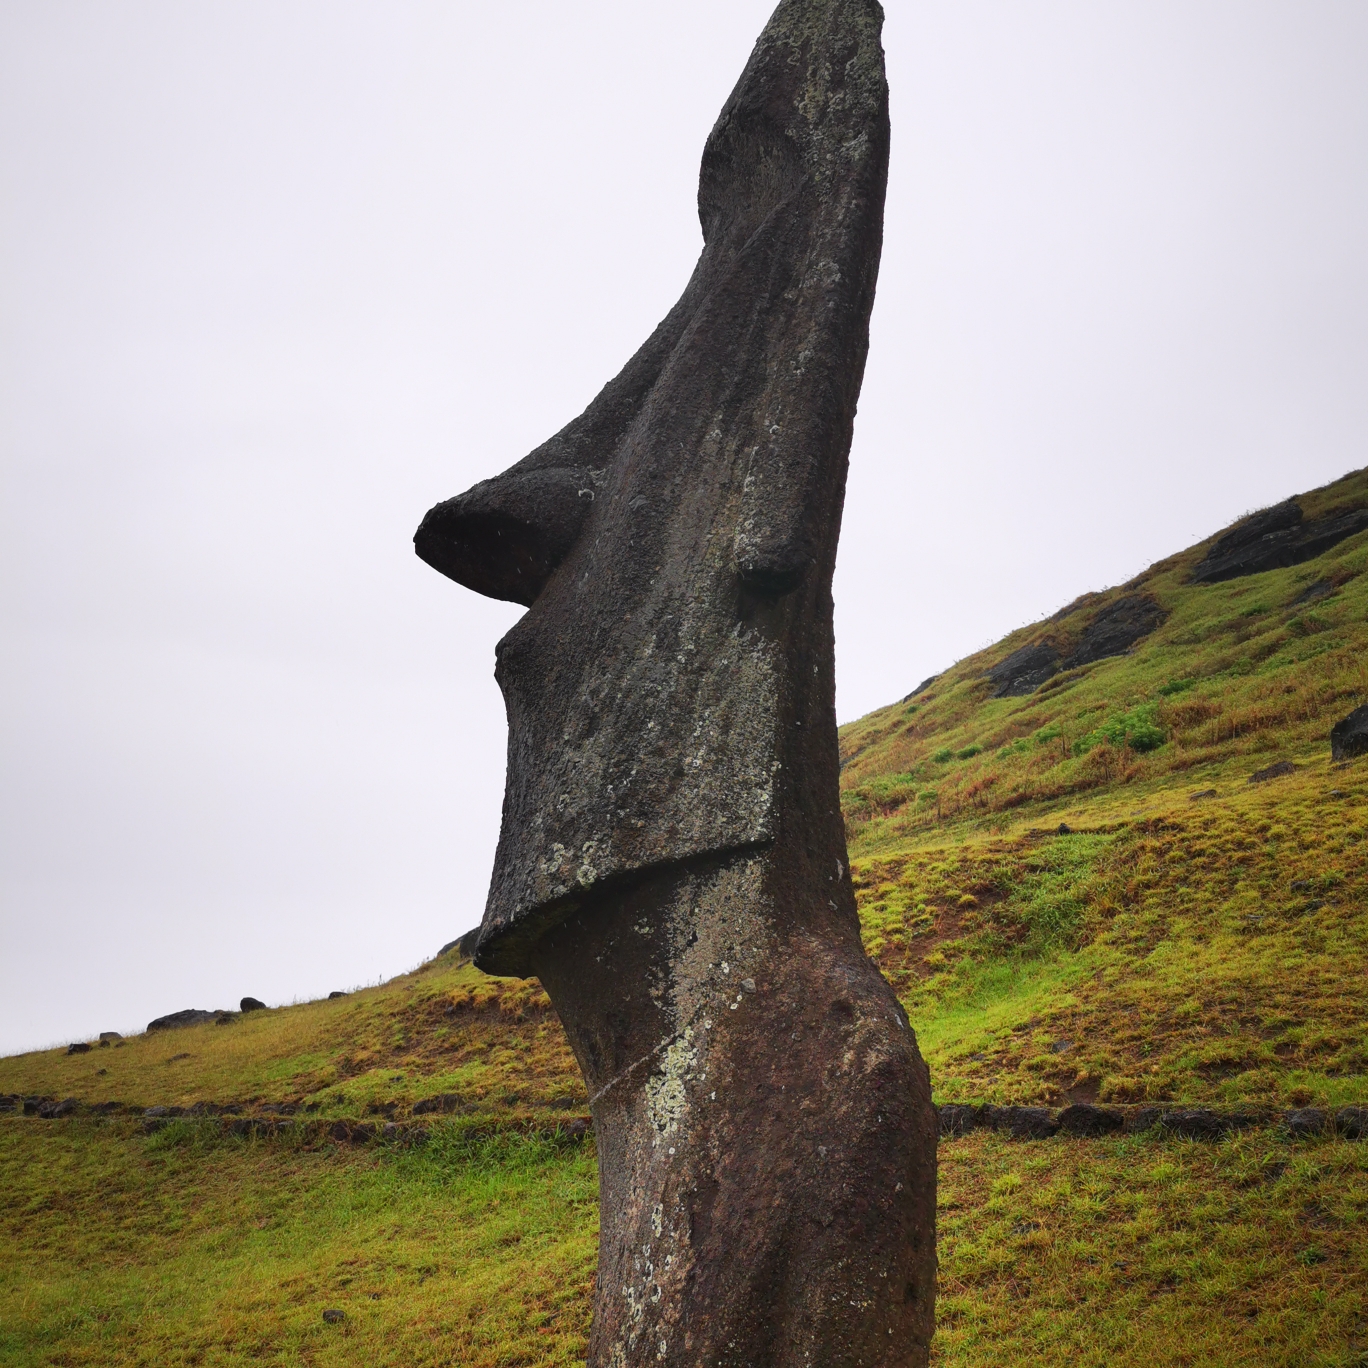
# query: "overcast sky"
276,277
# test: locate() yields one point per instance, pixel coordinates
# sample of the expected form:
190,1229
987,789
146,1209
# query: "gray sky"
275,277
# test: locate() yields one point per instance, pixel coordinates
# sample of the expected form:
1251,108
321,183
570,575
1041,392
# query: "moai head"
670,691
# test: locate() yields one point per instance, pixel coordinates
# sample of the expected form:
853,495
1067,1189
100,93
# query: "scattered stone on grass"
333,1316
1349,736
251,1004
1274,771
336,993
1305,1122
80,1047
191,1016
1203,793
107,1036
1352,1122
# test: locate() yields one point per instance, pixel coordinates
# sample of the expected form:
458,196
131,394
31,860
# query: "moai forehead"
670,691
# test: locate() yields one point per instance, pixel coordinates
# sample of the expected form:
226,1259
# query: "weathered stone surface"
1276,538
80,1047
1306,1122
1313,592
1143,1119
1084,1119
1278,770
107,1036
676,540
1116,628
1199,1123
751,1145
1349,736
957,1118
1021,1123
336,993
1112,631
191,1016
1024,670
1352,1122
251,1004
672,860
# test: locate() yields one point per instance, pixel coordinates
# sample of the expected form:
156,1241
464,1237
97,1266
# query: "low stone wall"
1080,1121
1083,1121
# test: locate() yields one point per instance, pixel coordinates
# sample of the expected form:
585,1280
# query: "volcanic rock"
251,1004
1024,671
1274,771
1116,628
1305,1122
1349,736
1021,1123
1352,1122
191,1016
1274,539
1086,1119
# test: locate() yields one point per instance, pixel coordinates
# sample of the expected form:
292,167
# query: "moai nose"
505,537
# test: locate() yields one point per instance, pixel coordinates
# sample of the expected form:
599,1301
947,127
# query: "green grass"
189,1248
1145,1251
192,1248
1193,938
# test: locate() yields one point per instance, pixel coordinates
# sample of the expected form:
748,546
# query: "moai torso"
670,691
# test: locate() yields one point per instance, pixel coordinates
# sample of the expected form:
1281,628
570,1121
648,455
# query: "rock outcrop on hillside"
1349,737
1113,630
1274,539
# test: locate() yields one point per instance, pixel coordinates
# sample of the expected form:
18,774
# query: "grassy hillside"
1195,936
1081,888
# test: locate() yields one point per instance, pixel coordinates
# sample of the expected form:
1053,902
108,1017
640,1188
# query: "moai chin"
672,863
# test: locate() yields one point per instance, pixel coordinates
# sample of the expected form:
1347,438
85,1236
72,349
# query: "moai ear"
505,537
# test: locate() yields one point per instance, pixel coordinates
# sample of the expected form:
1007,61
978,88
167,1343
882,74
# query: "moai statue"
672,864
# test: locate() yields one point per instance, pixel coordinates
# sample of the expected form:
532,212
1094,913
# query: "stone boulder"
1349,736
1305,1122
191,1016
1352,1122
80,1047
251,1004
